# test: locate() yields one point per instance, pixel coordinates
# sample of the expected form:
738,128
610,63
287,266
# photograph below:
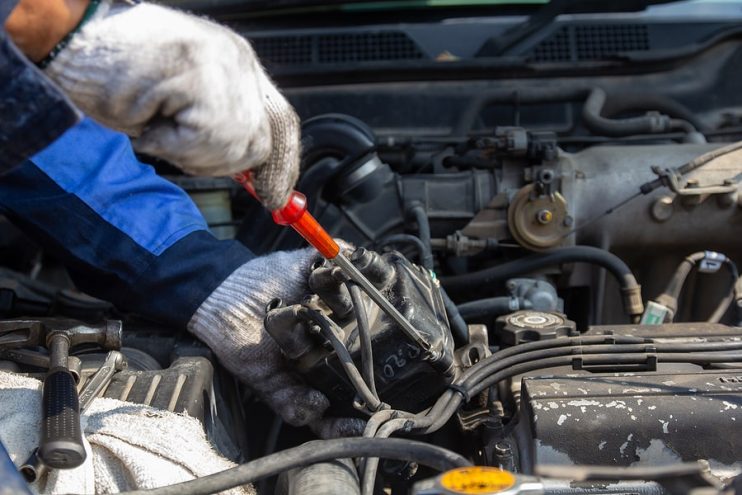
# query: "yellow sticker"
477,480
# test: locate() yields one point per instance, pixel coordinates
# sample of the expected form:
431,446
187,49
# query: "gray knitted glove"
187,89
230,322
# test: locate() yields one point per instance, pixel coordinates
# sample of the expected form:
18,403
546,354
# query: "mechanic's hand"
230,322
188,90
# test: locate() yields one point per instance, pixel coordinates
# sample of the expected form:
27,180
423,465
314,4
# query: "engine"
575,309
555,364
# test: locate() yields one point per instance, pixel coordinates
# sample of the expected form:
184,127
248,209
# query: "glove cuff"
90,12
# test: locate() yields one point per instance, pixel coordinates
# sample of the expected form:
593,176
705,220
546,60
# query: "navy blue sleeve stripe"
33,111
99,167
106,262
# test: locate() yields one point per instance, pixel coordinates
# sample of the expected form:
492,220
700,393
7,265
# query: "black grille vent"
336,48
591,42
284,50
367,47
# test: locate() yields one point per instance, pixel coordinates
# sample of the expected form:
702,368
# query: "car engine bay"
565,244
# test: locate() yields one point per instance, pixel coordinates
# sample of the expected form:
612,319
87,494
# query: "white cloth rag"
130,446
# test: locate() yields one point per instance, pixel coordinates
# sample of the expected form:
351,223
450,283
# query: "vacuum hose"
630,288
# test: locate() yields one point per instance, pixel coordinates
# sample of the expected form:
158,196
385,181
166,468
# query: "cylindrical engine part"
374,267
338,477
324,282
287,329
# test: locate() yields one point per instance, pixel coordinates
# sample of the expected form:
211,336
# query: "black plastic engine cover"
185,387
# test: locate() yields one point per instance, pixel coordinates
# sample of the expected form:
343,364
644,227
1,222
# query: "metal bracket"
671,179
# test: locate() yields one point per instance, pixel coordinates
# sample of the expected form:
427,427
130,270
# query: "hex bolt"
544,216
694,200
568,221
662,209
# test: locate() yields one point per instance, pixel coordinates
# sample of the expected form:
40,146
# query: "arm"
135,239
35,112
187,89
124,232
36,26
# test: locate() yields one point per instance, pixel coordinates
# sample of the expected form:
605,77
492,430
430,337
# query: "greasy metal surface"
600,177
636,419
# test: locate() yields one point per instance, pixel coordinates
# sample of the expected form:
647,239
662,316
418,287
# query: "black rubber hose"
370,400
406,239
652,123
626,102
311,453
364,334
492,306
458,325
630,288
423,230
535,262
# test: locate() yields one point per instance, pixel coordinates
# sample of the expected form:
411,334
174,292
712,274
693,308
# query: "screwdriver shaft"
356,276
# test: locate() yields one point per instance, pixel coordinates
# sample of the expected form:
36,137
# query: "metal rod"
356,276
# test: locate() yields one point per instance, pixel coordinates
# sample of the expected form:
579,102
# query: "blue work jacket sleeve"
126,234
33,111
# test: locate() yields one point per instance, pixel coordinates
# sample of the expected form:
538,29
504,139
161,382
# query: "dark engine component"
185,386
644,419
662,415
406,376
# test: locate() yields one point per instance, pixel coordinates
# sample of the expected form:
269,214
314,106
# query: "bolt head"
544,217
662,209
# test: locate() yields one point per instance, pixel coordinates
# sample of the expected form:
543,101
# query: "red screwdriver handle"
294,213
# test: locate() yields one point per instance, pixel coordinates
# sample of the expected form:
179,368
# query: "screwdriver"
295,214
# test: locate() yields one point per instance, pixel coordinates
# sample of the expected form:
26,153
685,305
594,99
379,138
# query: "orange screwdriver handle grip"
294,213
